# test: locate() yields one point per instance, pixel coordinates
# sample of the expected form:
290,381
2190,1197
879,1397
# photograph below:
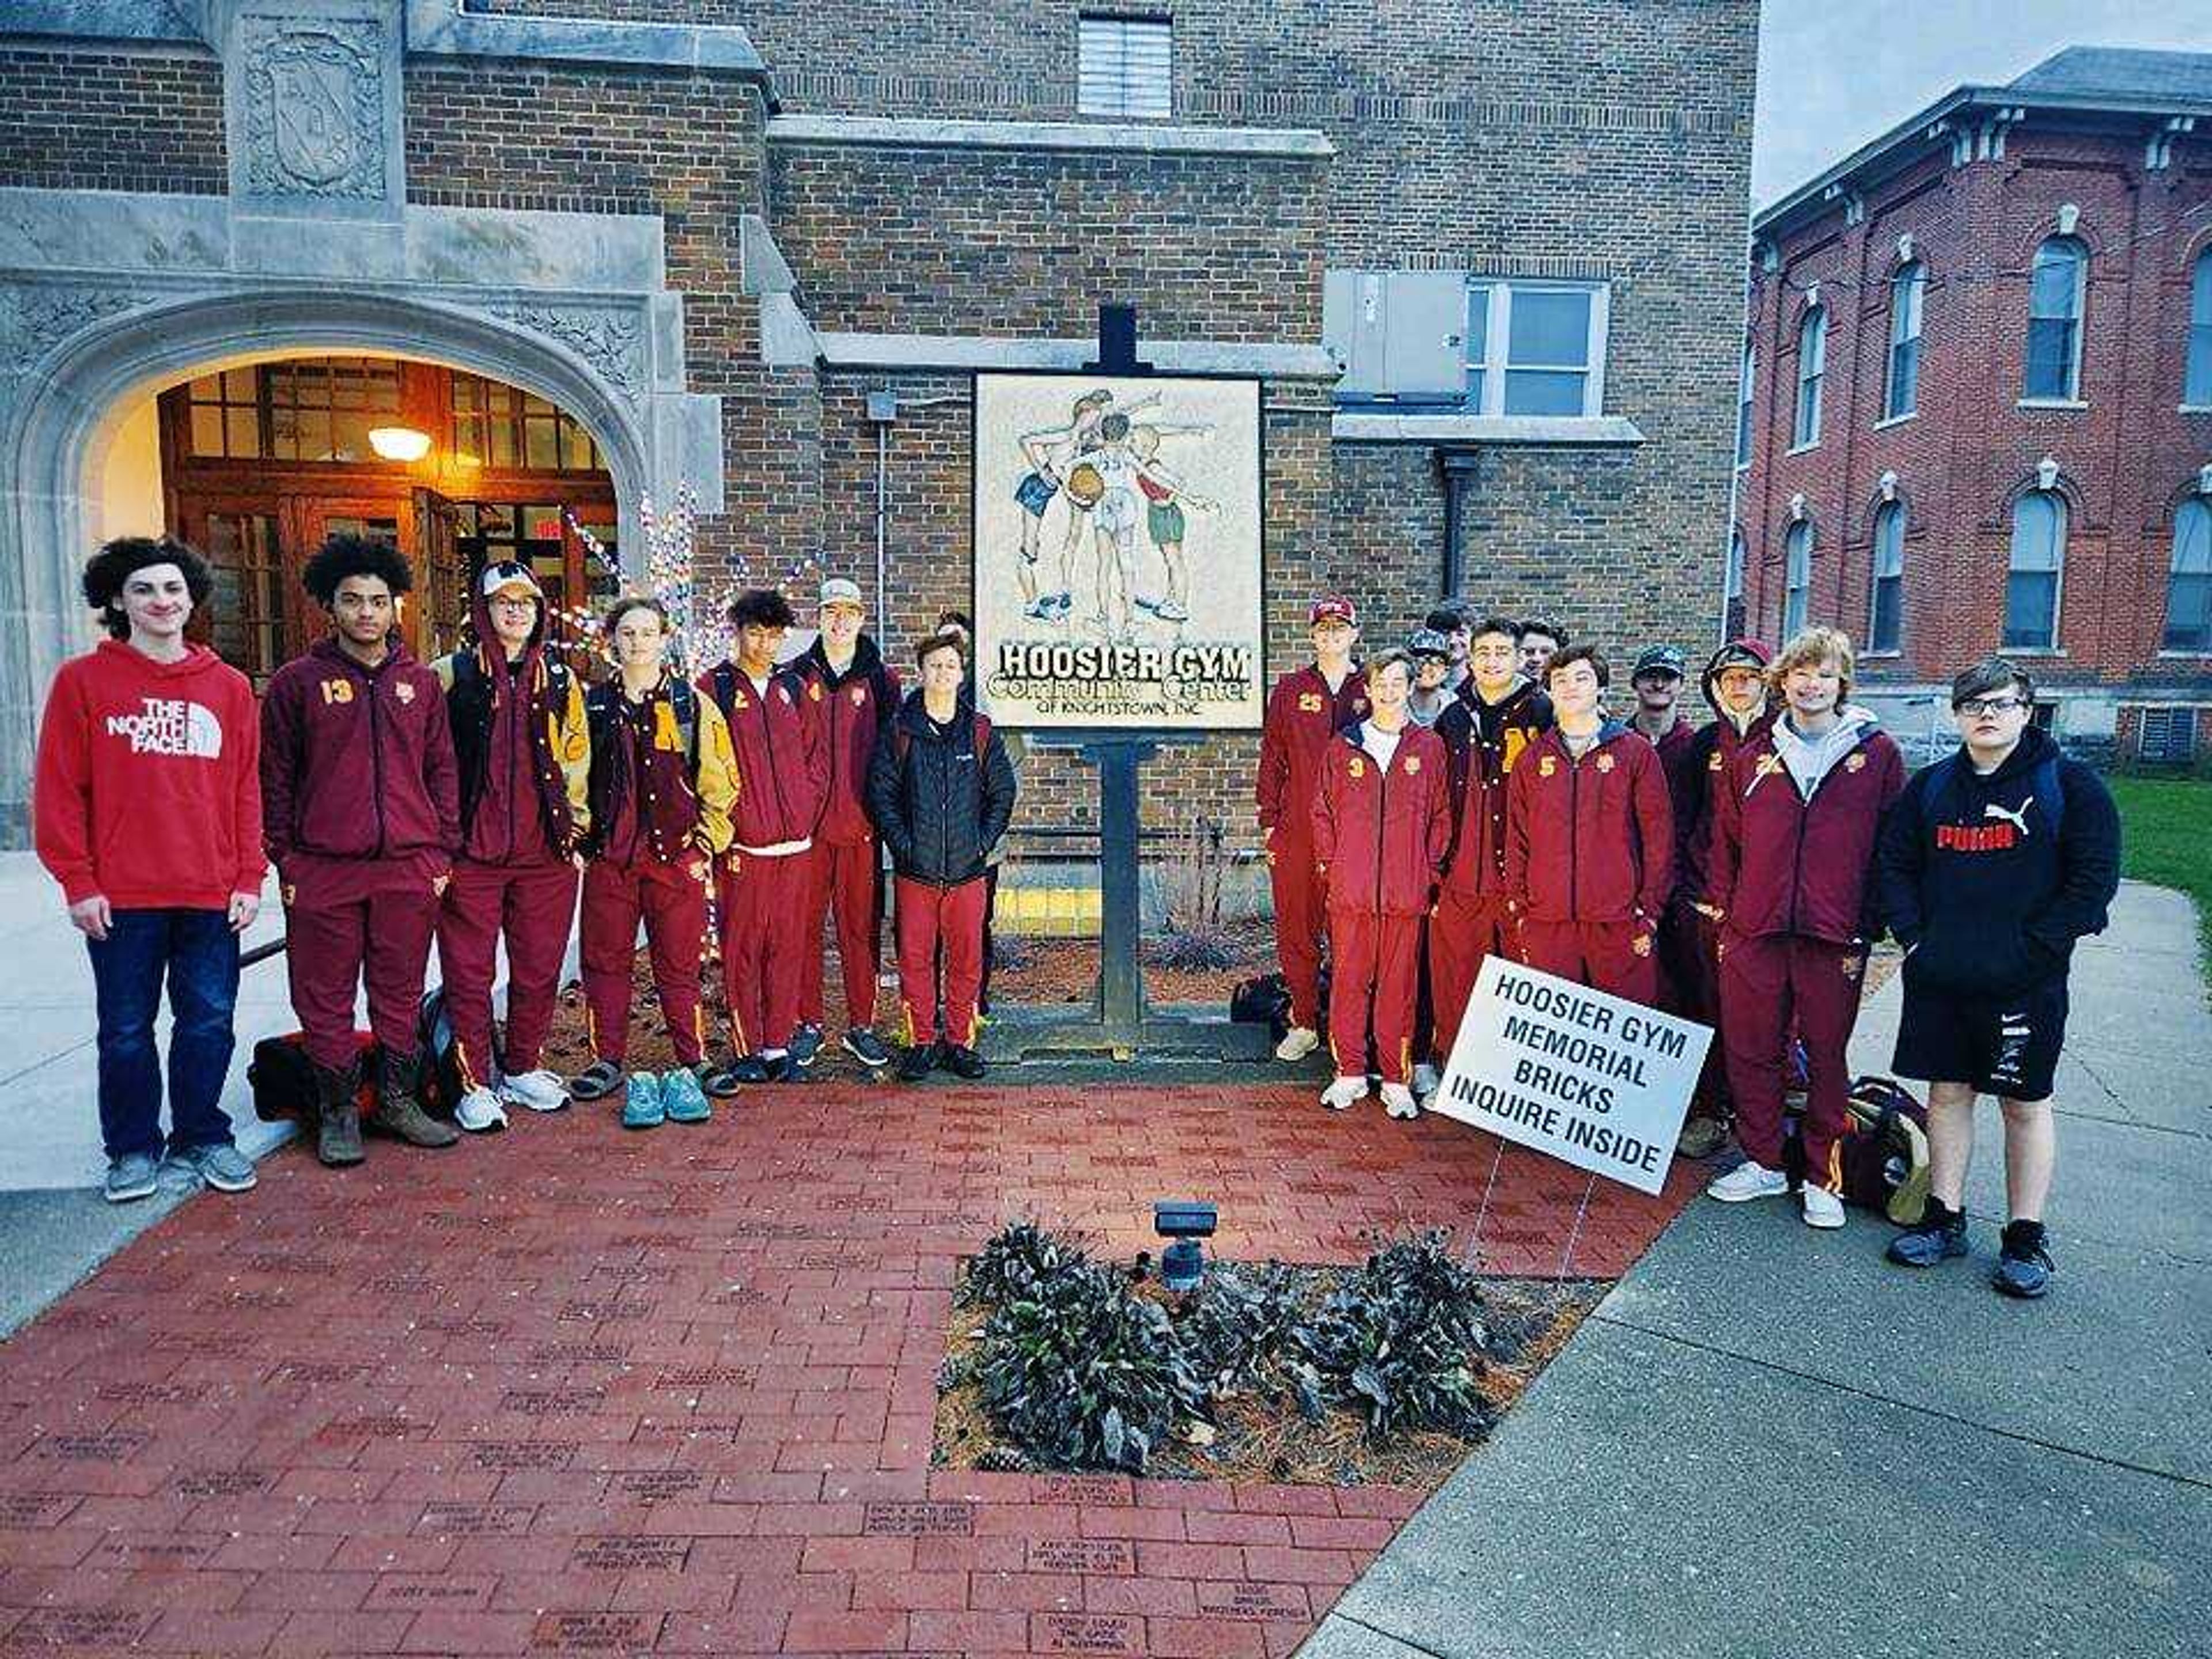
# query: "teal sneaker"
642,1103
682,1098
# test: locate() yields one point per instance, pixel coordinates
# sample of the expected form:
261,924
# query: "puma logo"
2017,819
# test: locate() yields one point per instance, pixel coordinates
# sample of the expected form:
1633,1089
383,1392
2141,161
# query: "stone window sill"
2051,402
1802,449
1896,420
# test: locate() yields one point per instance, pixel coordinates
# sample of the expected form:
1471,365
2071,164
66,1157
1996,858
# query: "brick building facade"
1979,404
712,232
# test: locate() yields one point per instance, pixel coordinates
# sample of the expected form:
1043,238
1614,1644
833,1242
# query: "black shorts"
2003,1046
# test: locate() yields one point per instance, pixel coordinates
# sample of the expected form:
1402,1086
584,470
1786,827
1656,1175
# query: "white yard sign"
1594,1080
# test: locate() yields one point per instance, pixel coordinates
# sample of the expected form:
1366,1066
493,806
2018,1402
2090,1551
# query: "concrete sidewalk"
1768,1441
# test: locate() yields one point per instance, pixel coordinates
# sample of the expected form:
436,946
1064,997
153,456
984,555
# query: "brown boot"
337,1115
399,1113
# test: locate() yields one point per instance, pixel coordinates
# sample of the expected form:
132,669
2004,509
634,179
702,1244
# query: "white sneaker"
1398,1101
1426,1081
1748,1181
479,1112
1297,1043
1823,1209
541,1091
1344,1093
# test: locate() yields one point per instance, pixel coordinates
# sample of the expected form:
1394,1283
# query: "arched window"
2189,589
2196,380
2054,320
1797,576
1906,289
1812,364
2036,572
1743,406
1886,617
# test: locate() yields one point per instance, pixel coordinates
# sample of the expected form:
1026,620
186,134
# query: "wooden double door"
261,618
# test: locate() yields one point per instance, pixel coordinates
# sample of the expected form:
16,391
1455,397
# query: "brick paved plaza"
566,1390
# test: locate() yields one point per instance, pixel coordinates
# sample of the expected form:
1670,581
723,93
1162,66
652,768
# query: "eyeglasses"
1975,708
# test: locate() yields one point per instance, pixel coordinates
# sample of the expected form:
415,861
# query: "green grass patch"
2166,837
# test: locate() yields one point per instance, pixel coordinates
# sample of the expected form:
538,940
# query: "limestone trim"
1297,143
1565,430
973,352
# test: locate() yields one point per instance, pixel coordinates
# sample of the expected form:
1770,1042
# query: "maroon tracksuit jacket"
1303,715
1589,859
1484,741
361,812
1379,836
1794,879
776,734
844,866
1689,939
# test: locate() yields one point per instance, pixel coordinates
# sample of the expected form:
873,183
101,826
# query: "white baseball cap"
505,573
839,590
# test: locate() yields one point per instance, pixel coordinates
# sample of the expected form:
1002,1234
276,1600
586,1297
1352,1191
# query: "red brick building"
595,251
1976,406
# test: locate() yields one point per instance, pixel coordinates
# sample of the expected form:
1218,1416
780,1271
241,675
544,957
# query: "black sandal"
601,1079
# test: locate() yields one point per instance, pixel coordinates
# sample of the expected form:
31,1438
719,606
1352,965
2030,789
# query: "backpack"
282,1079
1266,1001
1885,1150
438,1083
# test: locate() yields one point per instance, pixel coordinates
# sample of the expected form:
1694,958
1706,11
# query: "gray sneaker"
134,1175
222,1166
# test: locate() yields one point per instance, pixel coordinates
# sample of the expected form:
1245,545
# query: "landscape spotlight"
1183,1221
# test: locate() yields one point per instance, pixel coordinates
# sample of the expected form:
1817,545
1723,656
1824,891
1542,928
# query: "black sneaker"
721,1082
867,1047
2024,1264
750,1068
805,1044
785,1068
1940,1235
917,1062
964,1062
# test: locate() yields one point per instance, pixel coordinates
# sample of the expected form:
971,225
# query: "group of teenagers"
474,802
1471,795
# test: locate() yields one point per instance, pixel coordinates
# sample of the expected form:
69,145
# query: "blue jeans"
198,953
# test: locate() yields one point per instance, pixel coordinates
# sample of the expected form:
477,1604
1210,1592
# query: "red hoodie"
148,789
1380,833
357,763
783,768
1590,839
1303,715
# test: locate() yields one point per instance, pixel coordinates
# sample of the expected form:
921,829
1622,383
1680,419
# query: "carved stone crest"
315,108
607,339
34,319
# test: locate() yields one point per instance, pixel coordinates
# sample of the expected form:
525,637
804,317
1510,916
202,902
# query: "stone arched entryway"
81,358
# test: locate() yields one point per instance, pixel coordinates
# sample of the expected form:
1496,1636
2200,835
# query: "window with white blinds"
1125,66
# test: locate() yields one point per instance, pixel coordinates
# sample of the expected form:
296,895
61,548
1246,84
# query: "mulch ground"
568,1390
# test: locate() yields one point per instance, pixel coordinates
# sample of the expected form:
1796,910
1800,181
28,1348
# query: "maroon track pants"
333,949
672,901
1374,974
532,905
1463,929
1689,946
841,882
1300,904
763,947
1618,957
1765,983
931,919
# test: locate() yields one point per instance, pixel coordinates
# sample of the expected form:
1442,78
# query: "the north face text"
166,726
